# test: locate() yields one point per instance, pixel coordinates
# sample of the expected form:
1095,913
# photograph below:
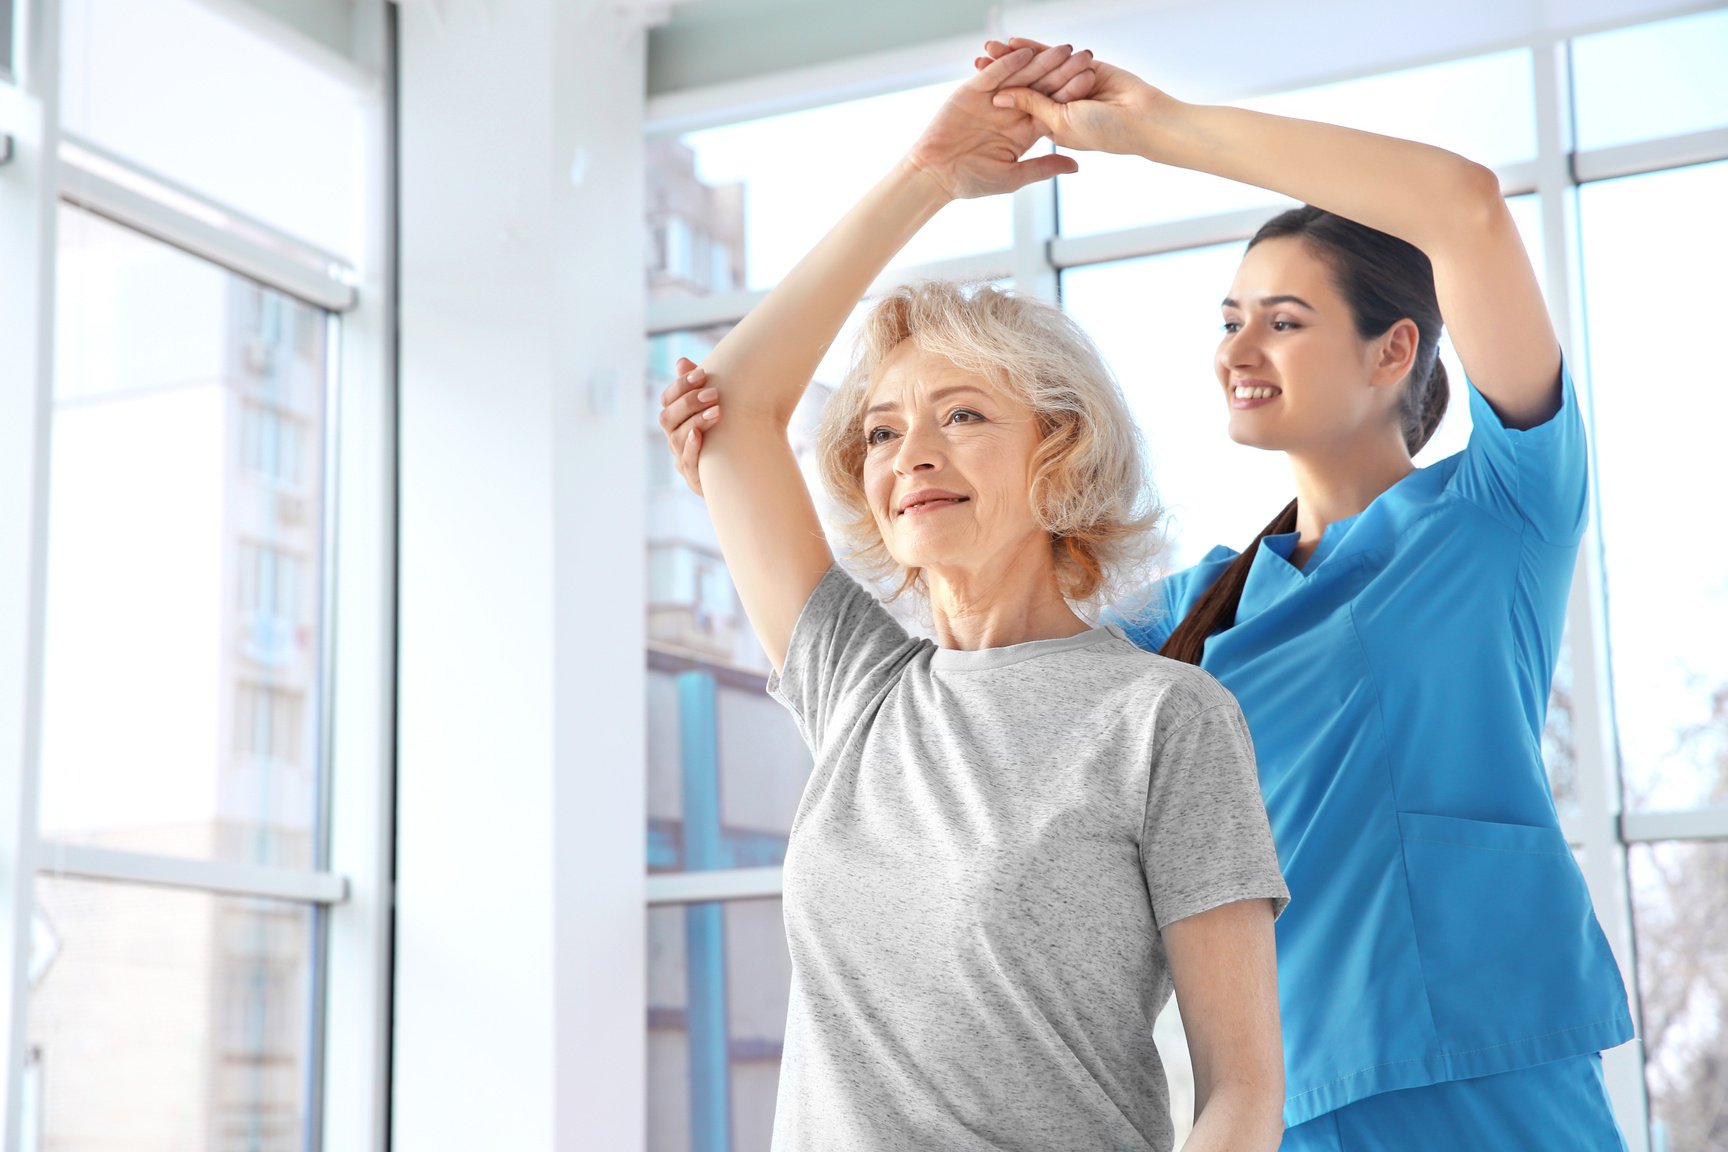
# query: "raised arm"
762,513
1447,206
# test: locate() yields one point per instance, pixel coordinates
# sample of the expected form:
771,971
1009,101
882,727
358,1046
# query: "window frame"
350,884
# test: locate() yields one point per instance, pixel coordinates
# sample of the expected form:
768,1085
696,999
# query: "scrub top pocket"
1484,896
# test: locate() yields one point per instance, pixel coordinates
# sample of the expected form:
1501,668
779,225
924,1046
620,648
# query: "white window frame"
352,884
1039,255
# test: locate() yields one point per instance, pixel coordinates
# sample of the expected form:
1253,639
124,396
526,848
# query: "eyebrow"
939,394
1271,301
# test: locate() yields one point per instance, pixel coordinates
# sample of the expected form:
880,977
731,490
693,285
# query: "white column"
28,114
520,1001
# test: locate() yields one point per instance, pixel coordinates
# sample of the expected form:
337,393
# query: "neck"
1342,481
993,607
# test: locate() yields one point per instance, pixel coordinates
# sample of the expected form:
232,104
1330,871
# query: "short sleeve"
845,650
1206,841
1537,477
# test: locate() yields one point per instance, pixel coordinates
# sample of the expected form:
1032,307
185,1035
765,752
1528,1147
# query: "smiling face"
948,466
1295,374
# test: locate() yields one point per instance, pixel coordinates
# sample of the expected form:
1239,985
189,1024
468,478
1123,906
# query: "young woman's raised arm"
761,511
1447,206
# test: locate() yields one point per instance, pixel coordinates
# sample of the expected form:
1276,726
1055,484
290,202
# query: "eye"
878,435
1231,327
963,416
1285,325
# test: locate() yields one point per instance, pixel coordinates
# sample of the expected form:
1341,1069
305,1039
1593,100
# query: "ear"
1395,353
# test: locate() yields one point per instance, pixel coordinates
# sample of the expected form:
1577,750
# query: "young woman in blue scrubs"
1392,634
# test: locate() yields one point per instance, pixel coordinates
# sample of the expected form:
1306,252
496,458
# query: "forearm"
1238,1117
1414,191
763,365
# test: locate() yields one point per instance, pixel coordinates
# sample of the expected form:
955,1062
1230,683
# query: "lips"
928,500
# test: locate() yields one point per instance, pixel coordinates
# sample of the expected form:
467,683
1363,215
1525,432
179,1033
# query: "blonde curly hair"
1090,486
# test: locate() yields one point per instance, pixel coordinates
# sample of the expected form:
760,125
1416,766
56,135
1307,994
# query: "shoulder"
1167,692
1148,620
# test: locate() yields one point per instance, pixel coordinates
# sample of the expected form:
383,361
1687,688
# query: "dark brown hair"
1383,280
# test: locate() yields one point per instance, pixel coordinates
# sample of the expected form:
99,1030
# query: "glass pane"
185,551
738,206
718,980
1680,907
185,91
1653,247
1650,81
1482,108
170,1019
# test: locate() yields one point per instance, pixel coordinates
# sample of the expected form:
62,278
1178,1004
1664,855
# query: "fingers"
691,406
1043,168
999,48
1000,69
1041,65
1035,104
688,455
1067,72
1079,88
681,382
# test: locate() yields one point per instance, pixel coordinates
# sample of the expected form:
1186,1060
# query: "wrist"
1158,123
923,182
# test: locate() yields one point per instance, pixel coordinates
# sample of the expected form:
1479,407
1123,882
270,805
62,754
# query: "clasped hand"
973,147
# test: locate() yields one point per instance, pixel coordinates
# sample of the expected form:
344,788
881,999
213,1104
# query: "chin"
1253,438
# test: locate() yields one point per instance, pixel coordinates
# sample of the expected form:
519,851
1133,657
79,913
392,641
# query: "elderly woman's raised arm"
762,513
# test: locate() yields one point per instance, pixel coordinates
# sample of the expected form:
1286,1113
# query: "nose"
920,450
1239,349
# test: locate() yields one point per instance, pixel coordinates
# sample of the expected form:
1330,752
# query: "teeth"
1245,392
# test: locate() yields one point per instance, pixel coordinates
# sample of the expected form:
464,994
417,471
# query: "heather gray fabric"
976,877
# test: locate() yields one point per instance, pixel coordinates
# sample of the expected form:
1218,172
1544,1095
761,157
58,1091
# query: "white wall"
520,1002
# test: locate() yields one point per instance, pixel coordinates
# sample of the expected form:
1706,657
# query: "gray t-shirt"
977,874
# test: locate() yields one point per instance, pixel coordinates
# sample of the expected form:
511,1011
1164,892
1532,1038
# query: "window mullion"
1598,768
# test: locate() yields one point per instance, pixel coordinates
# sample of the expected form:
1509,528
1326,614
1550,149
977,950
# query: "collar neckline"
973,660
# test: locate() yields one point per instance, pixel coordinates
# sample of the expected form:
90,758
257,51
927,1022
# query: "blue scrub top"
1439,927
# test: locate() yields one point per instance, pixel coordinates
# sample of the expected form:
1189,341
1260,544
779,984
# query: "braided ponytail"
1383,280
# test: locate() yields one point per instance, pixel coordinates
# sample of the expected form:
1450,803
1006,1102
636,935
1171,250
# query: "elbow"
1475,199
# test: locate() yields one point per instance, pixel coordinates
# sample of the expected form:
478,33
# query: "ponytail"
1216,608
1425,405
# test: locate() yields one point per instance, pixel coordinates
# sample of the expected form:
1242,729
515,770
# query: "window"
718,981
172,1019
749,188
148,514
191,904
160,736
292,163
1651,247
1651,80
1680,901
1481,107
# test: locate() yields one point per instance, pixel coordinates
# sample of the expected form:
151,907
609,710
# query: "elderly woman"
1017,838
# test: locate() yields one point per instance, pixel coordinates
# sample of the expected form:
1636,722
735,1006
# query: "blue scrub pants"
1562,1105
